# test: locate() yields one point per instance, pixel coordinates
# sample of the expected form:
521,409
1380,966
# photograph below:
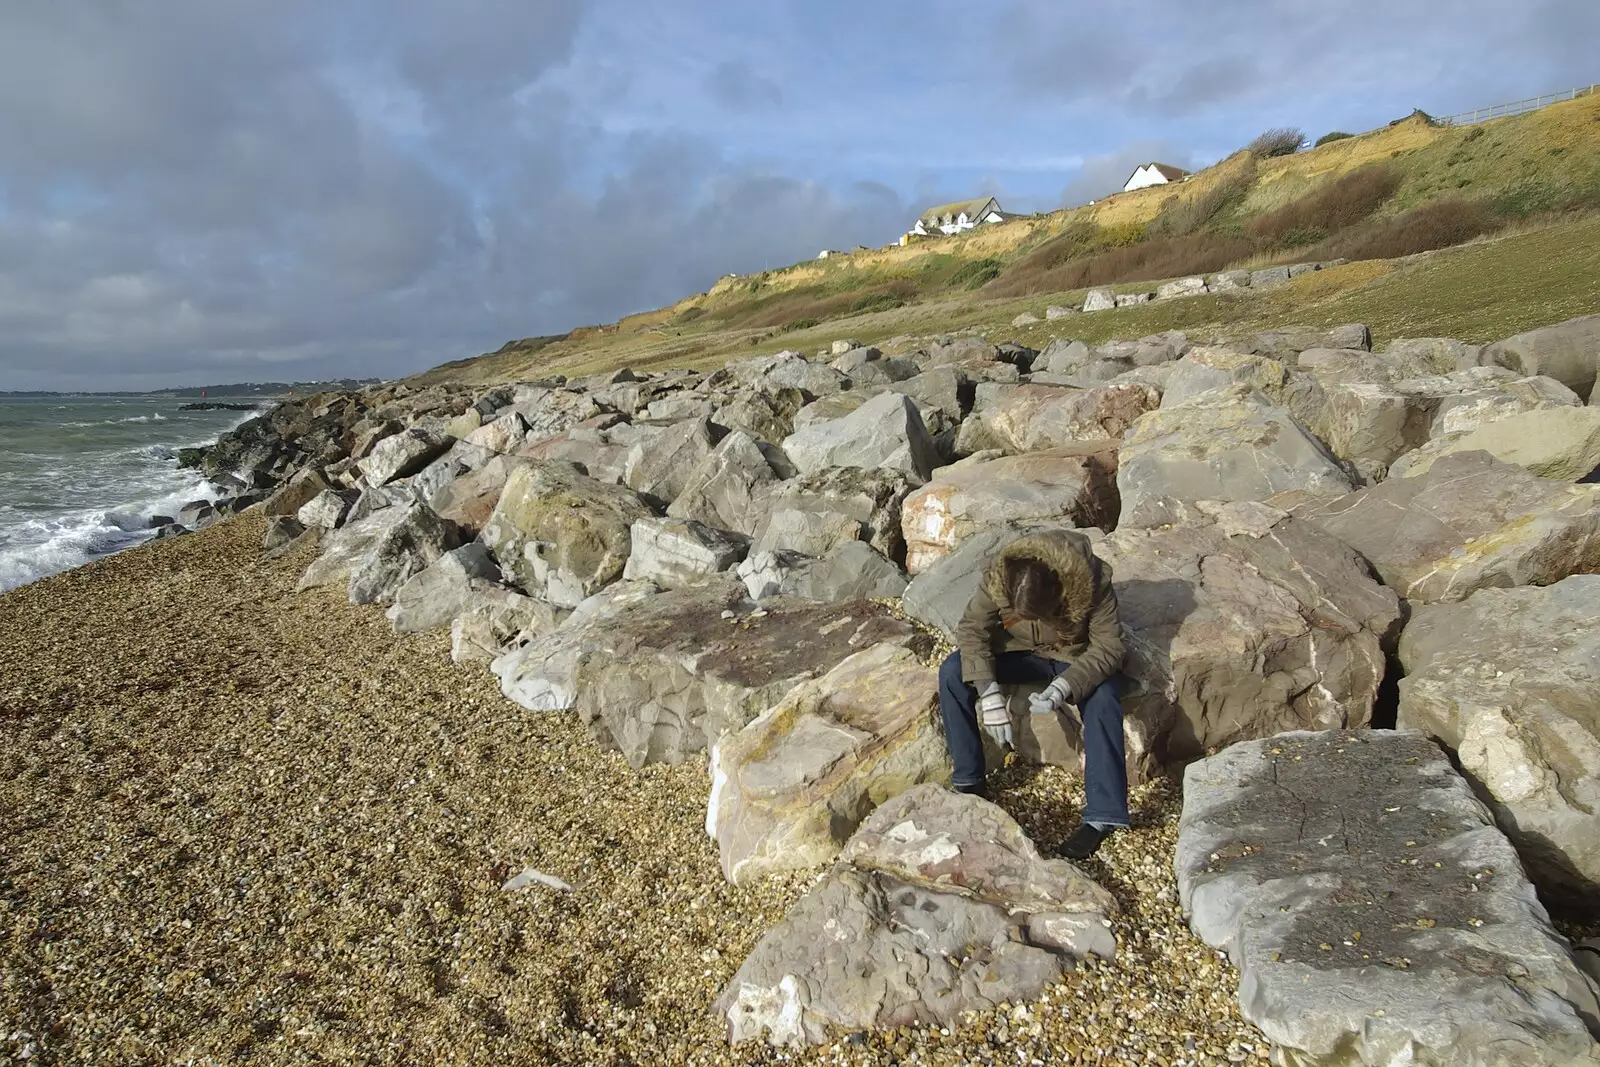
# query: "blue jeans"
1105,775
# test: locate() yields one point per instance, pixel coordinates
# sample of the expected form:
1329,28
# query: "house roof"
1169,172
971,207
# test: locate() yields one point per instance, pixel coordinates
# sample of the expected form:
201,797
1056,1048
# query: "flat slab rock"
939,905
1376,915
673,675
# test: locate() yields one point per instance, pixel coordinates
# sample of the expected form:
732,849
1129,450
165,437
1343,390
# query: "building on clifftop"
961,215
1154,174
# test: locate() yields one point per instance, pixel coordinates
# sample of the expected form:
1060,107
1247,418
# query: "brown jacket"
1086,633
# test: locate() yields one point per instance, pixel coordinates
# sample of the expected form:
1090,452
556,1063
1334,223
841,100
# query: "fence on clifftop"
1516,107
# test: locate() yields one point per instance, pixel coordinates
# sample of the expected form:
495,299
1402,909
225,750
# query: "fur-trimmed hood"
1065,552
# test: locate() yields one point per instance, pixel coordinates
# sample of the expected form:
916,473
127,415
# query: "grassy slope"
1477,292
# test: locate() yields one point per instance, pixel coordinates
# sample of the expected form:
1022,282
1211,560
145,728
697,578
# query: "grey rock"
298,491
1290,848
887,431
1033,418
940,905
402,454
1280,344
1056,311
561,535
1469,523
721,489
678,406
1099,300
939,594
1226,445
768,416
1562,443
413,543
851,570
659,466
853,359
1569,352
790,788
1228,280
1074,486
327,510
1127,300
1269,276
1064,356
281,531
1027,318
492,625
1239,624
672,676
1508,681
829,500
504,435
1181,287
1421,357
433,597
1297,269
344,548
676,552
541,673
941,388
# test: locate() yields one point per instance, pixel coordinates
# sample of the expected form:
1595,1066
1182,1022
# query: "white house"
1154,174
962,215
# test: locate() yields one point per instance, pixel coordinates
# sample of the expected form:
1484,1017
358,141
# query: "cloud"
734,85
281,191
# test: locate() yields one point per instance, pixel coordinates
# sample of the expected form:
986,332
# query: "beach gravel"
240,824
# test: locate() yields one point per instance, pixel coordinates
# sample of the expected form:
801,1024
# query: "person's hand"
996,718
1052,699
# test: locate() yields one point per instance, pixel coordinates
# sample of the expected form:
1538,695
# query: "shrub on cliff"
1329,138
1282,141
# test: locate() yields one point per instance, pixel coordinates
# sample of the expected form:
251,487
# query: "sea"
82,476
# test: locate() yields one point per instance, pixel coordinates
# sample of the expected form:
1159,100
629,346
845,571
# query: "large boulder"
495,621
1561,443
1032,418
1569,352
887,431
1508,681
824,503
677,552
850,570
1467,399
673,675
939,594
328,509
721,489
765,416
1073,486
459,581
403,454
412,544
1469,523
1420,357
1374,912
540,671
561,535
1224,444
1204,369
940,905
1239,624
504,435
469,500
296,493
1292,340
790,788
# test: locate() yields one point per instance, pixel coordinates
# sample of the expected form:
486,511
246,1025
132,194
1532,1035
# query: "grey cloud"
216,204
734,85
1174,59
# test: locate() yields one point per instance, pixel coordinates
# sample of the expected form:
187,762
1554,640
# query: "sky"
208,191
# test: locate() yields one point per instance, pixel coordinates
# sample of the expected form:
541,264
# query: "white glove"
996,719
1051,699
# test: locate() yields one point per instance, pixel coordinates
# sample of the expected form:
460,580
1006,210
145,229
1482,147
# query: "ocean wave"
36,548
155,417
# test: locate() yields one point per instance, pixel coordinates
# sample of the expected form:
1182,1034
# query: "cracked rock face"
1224,444
1031,418
1471,522
1508,681
790,788
939,905
1240,624
672,675
1376,915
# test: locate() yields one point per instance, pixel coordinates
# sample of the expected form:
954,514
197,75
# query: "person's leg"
958,709
1105,772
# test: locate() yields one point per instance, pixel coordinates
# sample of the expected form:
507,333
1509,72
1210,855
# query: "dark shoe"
977,789
1085,840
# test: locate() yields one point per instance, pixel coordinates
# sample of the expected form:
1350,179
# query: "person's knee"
950,671
1106,698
